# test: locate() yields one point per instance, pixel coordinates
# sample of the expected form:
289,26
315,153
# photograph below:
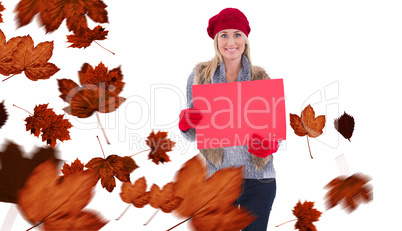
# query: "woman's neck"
232,69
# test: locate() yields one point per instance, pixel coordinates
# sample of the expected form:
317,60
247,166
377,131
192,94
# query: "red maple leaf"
53,12
53,127
159,145
112,166
89,36
1,9
75,167
306,215
99,91
349,191
20,55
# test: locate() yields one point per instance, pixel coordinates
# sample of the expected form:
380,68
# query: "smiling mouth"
231,49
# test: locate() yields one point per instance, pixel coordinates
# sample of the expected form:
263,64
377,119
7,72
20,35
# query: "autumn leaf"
55,203
33,61
164,199
307,124
110,80
7,67
136,193
15,169
89,36
75,167
3,114
345,125
99,91
1,9
230,218
159,145
53,127
349,191
210,198
306,215
53,12
112,166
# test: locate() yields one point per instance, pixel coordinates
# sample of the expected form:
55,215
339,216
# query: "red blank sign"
232,112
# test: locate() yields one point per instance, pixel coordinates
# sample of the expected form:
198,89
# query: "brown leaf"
53,12
85,40
15,169
135,193
75,167
1,9
7,67
349,191
345,125
110,81
231,218
84,220
159,145
33,61
47,200
307,123
99,91
112,166
3,114
306,215
164,199
53,127
211,197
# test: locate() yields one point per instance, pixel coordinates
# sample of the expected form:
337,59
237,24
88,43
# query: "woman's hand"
188,118
262,147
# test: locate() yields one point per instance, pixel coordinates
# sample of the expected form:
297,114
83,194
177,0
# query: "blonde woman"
230,29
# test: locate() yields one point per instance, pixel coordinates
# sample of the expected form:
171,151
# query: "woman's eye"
224,36
237,35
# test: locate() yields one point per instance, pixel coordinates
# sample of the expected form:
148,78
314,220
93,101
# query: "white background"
336,55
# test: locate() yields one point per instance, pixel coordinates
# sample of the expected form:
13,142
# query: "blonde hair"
210,69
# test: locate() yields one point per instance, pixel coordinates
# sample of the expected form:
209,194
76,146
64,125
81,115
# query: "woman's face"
231,44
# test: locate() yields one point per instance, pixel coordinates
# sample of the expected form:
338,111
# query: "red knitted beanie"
229,18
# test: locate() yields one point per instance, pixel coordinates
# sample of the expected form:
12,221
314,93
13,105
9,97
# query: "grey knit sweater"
232,156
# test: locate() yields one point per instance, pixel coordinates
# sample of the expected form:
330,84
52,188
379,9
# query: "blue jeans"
258,196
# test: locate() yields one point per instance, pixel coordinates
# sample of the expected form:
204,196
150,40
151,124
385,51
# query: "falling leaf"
33,61
7,67
1,9
164,199
349,191
85,40
307,124
345,125
110,80
210,198
231,218
15,169
99,91
53,127
136,193
53,12
56,203
3,114
75,167
112,166
159,145
306,215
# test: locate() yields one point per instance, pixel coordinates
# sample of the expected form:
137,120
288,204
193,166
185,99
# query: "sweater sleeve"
189,134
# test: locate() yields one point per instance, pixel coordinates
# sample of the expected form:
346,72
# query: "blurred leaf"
15,169
349,191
